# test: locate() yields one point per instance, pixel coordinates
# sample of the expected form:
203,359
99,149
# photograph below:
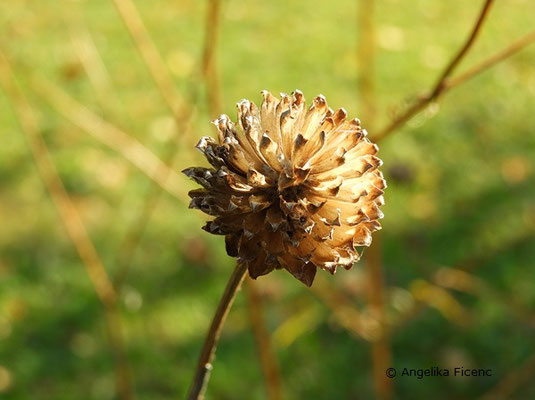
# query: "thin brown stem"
152,58
344,312
73,223
264,345
209,67
87,53
510,50
380,344
113,137
133,237
134,234
380,348
204,366
365,58
439,87
116,338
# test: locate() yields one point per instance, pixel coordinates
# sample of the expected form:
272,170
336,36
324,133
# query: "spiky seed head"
290,187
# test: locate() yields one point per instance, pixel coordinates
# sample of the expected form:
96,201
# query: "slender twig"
380,346
264,345
347,316
134,151
204,366
463,281
490,62
152,58
133,237
87,53
209,67
134,234
73,223
439,86
100,80
113,137
365,59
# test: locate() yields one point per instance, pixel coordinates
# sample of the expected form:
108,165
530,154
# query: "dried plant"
289,188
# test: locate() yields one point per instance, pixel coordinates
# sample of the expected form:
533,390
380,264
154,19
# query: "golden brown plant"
290,188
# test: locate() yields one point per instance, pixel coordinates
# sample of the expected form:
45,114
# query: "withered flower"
290,188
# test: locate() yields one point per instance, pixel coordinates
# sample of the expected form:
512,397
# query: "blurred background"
111,96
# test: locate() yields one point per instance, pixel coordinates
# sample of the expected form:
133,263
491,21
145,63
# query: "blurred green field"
461,197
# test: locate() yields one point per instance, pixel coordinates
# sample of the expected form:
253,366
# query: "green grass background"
461,194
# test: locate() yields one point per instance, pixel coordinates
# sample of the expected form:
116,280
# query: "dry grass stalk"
209,66
510,50
346,314
113,137
153,60
86,51
451,83
73,224
380,346
264,345
365,59
439,87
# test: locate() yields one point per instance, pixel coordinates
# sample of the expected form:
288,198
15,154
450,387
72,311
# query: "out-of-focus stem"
113,137
268,361
513,48
209,67
380,345
134,234
74,226
87,52
365,58
439,86
204,366
99,78
152,58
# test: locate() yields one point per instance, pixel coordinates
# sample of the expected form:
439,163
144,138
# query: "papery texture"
290,187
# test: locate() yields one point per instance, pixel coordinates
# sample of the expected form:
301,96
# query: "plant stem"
268,360
74,225
112,136
379,345
491,61
467,45
209,62
439,87
204,367
152,58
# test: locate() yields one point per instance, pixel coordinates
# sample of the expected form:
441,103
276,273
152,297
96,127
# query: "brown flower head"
290,188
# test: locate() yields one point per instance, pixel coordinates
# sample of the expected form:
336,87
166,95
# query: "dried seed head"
289,187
